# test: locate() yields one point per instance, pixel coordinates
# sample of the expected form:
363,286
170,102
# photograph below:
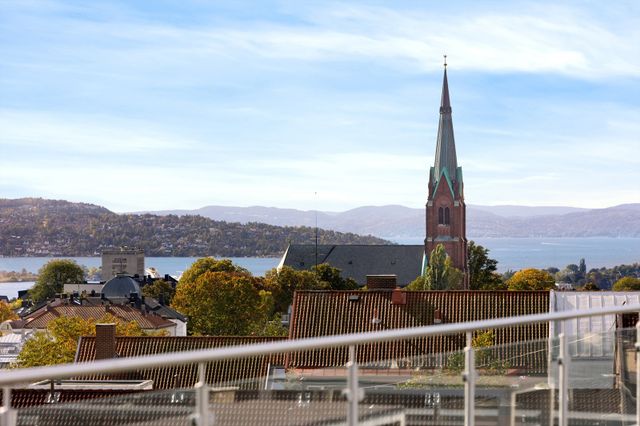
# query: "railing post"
550,419
202,398
353,392
469,378
638,373
7,415
563,382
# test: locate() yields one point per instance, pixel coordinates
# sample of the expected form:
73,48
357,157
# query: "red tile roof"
247,372
40,318
322,313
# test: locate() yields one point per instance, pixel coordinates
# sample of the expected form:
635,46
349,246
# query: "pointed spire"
445,147
445,102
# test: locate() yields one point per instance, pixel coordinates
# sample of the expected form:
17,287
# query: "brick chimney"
105,341
381,282
398,297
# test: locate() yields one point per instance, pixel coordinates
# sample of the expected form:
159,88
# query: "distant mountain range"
398,222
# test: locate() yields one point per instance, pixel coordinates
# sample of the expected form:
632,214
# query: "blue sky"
155,104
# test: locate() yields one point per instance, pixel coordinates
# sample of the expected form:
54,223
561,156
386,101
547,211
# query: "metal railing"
353,392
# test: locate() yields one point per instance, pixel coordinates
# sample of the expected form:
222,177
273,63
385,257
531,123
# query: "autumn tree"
210,264
589,286
284,282
627,284
221,298
52,277
160,290
531,279
6,312
482,269
440,273
58,344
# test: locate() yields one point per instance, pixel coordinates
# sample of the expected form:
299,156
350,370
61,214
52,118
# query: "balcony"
588,379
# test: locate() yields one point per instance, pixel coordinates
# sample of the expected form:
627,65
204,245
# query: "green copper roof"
445,147
445,173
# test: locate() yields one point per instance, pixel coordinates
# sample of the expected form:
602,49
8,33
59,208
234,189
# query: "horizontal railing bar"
107,366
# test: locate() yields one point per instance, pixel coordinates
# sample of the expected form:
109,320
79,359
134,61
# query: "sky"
150,105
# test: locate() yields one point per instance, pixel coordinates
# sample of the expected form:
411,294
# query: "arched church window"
447,217
440,216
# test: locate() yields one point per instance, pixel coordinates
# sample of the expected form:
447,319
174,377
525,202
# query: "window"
447,218
440,216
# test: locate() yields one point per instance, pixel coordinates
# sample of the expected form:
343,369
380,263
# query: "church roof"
358,261
446,159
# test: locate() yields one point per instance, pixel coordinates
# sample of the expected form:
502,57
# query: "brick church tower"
445,210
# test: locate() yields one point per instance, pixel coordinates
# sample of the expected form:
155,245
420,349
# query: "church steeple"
446,217
446,159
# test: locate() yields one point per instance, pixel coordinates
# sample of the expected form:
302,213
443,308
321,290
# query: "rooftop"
358,261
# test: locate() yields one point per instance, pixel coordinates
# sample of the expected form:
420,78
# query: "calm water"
511,253
165,265
518,253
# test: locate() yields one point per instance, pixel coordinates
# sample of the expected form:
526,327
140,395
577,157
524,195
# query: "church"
445,211
445,223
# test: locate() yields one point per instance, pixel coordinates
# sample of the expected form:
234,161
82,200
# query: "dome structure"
121,286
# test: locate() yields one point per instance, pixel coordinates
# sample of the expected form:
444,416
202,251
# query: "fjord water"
511,253
519,253
164,265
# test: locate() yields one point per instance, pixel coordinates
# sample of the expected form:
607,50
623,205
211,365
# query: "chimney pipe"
105,343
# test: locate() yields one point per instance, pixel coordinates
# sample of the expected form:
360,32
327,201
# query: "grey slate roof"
358,261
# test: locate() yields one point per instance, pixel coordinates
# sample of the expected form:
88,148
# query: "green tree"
531,279
58,344
284,282
440,273
273,328
160,290
627,284
582,268
574,274
222,299
482,269
333,278
52,277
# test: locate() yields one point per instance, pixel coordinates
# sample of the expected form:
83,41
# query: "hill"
39,227
398,222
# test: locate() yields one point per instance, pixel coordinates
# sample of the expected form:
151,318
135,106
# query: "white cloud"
85,134
280,143
530,39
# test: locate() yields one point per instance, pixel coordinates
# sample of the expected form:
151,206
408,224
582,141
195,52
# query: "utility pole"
316,212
